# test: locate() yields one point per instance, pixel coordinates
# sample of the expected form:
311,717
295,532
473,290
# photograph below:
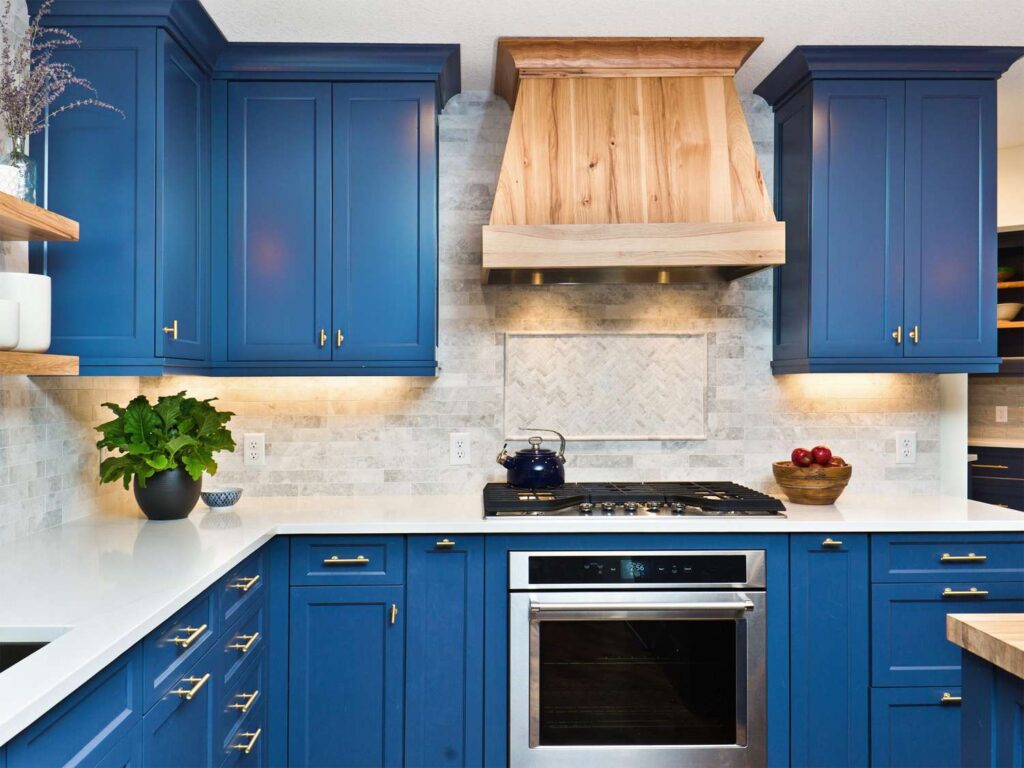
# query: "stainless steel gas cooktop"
630,499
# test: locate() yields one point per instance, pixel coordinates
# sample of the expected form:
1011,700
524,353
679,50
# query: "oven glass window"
637,682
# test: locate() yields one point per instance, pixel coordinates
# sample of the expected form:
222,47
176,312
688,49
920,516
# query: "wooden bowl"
813,484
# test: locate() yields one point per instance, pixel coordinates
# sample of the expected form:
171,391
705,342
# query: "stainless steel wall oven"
641,659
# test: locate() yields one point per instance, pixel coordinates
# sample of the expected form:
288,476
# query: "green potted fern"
163,450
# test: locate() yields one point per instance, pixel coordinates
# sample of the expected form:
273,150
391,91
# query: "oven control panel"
638,569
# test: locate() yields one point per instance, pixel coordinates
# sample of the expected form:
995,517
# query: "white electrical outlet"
1002,414
906,447
458,448
254,445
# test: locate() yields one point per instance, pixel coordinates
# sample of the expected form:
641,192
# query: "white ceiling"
476,25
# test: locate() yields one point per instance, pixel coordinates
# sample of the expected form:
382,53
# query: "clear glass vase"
18,171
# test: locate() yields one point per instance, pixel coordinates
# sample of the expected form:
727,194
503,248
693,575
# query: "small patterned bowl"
221,497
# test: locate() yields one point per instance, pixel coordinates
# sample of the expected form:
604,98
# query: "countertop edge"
963,629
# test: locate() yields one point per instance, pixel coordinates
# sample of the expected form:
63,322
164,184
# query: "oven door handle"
663,609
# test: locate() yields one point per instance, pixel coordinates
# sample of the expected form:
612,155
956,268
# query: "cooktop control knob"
630,507
586,508
608,508
678,508
653,506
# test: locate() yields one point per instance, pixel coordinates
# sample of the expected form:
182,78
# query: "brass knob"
172,329
831,543
339,338
948,698
444,544
323,337
915,334
394,612
898,334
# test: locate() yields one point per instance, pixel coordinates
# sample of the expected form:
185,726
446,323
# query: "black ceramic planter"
168,495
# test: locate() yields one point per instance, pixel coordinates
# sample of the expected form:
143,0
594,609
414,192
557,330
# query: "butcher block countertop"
998,638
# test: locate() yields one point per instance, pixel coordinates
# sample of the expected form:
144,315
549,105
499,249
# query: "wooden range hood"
628,160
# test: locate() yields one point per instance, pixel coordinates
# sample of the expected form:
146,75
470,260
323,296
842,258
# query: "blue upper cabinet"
385,225
279,222
259,210
885,174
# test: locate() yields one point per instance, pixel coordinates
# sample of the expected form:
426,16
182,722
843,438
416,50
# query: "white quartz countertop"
101,584
996,442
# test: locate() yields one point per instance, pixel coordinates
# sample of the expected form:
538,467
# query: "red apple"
822,455
802,457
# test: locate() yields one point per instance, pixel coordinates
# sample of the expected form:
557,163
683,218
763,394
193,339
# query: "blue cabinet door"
915,728
183,249
857,218
178,730
279,221
346,676
445,663
101,171
828,650
385,222
126,753
951,224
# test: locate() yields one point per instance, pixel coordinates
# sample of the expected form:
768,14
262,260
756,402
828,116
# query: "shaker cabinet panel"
99,169
178,731
385,226
346,676
183,248
444,665
857,219
829,641
915,728
951,217
279,221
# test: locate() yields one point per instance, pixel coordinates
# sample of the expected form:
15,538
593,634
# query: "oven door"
637,679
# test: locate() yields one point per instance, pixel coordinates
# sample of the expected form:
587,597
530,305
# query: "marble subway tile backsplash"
984,394
390,435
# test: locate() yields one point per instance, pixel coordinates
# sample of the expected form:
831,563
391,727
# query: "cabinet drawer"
247,745
243,585
177,643
909,645
1003,493
348,560
915,728
243,640
957,557
88,723
177,731
997,462
240,699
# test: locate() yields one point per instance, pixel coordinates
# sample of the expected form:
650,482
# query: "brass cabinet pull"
193,635
323,337
172,329
444,544
394,612
832,543
339,338
249,699
898,334
972,592
197,684
989,466
245,583
970,557
915,334
335,560
252,736
948,698
247,644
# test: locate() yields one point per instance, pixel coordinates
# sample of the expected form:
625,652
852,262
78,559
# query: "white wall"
1011,187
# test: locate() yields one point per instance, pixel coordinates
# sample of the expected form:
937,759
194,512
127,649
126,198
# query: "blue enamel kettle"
535,467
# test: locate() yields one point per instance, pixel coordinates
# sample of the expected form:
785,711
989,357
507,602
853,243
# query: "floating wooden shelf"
23,221
36,364
1010,324
1011,284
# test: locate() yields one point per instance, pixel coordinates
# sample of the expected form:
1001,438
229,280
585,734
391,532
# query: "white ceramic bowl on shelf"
9,324
32,293
1008,310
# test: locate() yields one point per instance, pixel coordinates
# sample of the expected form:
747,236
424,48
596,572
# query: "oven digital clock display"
638,569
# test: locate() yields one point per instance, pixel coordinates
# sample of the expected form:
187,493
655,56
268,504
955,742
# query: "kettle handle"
561,438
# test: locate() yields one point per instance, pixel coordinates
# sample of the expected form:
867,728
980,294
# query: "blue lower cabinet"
126,753
908,644
346,683
915,727
828,650
445,659
88,724
993,715
178,730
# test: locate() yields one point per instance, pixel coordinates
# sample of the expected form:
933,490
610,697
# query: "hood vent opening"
628,160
